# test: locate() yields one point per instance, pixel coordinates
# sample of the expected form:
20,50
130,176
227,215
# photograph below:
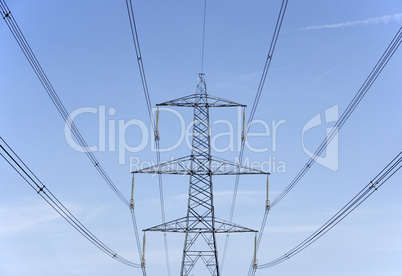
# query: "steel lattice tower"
200,200
200,225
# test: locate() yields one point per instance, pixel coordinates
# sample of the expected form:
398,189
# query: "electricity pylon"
200,224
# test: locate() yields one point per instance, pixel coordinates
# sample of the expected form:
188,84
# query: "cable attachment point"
267,205
255,261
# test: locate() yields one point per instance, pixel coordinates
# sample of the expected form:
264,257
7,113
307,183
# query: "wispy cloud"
369,21
34,214
330,71
19,218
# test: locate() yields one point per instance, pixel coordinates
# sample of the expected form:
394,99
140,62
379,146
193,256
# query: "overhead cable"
137,48
26,49
268,60
361,196
355,101
382,62
23,170
203,37
252,267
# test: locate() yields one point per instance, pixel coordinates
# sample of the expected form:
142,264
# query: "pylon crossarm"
222,226
176,166
196,226
225,167
177,225
219,166
194,100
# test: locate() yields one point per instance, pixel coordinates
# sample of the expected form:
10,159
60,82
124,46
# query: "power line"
26,49
366,192
23,170
203,37
352,105
137,48
137,239
251,270
22,42
268,60
386,56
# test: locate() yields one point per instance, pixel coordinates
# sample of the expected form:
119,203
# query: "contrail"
374,20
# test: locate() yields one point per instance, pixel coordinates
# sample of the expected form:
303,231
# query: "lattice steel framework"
200,224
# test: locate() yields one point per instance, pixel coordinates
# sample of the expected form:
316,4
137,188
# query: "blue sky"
325,51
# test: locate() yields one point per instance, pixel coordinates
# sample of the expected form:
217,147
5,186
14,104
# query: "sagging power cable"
203,37
267,64
137,48
253,267
382,62
22,42
361,196
33,61
352,105
23,170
